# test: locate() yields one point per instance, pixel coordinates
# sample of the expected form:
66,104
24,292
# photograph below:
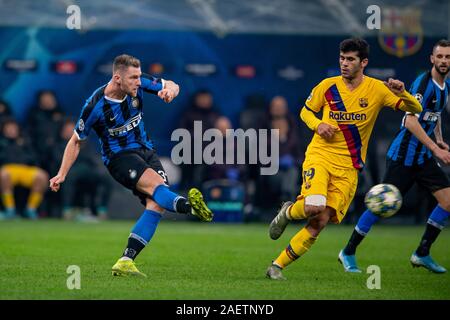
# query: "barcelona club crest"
363,102
401,33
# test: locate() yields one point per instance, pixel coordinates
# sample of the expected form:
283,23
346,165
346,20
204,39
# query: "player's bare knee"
5,179
315,204
445,204
148,181
153,206
40,180
42,176
317,223
313,210
314,228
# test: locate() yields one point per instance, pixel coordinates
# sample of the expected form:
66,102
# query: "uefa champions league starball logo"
81,125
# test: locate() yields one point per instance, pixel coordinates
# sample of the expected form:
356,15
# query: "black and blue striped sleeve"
151,84
419,87
88,117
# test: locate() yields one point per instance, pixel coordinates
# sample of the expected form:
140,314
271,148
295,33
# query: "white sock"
125,259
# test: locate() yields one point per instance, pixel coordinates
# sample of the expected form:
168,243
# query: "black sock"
133,248
353,243
183,206
430,234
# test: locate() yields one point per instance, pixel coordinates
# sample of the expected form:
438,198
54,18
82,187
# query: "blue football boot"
348,262
427,262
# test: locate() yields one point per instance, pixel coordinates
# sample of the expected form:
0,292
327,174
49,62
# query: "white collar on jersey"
442,88
116,100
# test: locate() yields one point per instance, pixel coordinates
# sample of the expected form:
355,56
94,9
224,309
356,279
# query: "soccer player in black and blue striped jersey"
410,159
115,112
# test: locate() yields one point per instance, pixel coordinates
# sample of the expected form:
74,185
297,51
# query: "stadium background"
231,48
235,49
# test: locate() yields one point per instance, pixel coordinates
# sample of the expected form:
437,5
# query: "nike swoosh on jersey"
335,101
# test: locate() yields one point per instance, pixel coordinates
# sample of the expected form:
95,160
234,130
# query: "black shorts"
127,167
428,175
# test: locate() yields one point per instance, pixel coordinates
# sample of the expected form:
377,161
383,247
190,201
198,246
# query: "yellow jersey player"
350,104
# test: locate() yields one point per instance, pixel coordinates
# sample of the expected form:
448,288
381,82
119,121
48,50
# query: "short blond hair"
124,61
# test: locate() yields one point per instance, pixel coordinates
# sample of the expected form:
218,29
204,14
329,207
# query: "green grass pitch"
187,260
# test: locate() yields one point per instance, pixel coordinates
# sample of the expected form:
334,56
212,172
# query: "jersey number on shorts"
163,175
307,176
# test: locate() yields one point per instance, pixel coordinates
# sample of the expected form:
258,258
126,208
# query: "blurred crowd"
261,192
32,151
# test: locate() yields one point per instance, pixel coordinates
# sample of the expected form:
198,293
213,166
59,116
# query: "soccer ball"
383,200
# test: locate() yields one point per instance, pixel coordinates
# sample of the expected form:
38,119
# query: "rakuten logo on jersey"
347,116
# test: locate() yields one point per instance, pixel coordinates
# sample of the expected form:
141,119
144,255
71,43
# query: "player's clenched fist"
55,183
396,86
442,155
443,145
170,91
166,95
326,130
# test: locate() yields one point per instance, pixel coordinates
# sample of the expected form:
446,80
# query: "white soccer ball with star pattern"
383,200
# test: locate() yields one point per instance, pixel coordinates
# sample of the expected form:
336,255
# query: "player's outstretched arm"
70,155
310,119
169,92
413,125
410,104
